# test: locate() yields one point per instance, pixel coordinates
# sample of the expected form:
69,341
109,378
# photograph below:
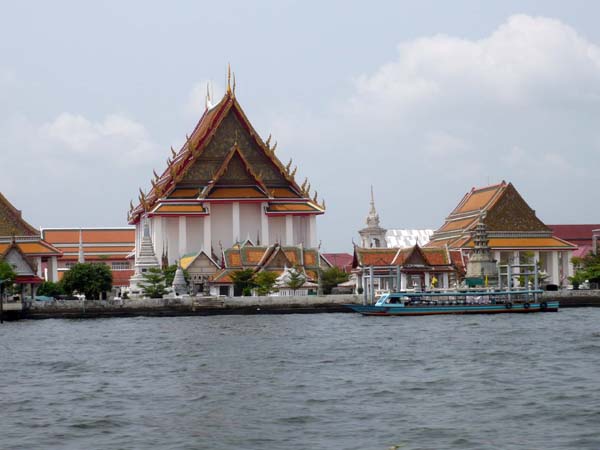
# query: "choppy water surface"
326,381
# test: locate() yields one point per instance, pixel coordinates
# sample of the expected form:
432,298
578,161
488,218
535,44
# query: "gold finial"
130,205
294,171
228,78
303,187
288,166
268,141
153,184
324,207
274,147
233,83
173,152
315,197
155,174
308,189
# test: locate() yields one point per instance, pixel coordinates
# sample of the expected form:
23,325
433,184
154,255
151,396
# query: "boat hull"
398,310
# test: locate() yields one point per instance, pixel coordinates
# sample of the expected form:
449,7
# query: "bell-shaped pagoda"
224,186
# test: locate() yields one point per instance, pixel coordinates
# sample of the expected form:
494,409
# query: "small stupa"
179,285
482,268
144,260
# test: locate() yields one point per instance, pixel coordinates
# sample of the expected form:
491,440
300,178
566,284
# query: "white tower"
373,235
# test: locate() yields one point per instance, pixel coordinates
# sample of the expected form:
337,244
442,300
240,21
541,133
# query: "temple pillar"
402,281
312,231
182,235
445,281
38,266
289,229
158,236
235,211
264,224
427,286
554,274
207,241
53,269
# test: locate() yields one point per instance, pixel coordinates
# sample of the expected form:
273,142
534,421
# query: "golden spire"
268,141
207,98
303,186
288,166
315,197
234,83
293,174
173,152
228,78
155,174
308,189
274,147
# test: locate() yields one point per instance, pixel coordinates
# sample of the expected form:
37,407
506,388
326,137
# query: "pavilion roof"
503,211
217,168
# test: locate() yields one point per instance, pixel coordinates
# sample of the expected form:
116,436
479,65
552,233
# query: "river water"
323,381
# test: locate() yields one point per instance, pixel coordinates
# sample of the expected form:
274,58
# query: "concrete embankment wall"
188,306
575,298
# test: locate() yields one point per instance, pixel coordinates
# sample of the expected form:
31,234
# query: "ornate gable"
11,222
511,213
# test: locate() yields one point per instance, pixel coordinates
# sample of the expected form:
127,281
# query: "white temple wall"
194,234
301,232
171,232
221,225
250,221
277,229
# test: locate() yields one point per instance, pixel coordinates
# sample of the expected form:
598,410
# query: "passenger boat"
458,302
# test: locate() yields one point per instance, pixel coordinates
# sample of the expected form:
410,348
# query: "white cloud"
527,60
124,141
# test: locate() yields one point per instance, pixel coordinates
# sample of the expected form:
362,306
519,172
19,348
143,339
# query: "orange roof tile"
283,193
452,225
479,198
291,207
184,193
236,192
89,236
531,242
181,209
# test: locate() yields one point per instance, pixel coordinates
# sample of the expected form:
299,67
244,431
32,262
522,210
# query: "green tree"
169,273
154,283
90,279
7,276
295,279
331,277
587,268
51,289
264,282
242,281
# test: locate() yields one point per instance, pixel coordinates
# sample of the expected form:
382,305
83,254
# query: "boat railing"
467,296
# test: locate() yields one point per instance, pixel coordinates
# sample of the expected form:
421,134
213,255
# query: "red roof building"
107,245
581,235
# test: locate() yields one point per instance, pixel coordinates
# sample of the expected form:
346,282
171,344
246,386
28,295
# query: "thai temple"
513,232
379,265
33,258
223,188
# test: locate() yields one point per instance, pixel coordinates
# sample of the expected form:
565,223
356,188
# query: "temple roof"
505,214
12,222
97,243
224,158
272,258
409,256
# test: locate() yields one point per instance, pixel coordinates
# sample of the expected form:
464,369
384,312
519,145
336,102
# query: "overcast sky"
422,99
